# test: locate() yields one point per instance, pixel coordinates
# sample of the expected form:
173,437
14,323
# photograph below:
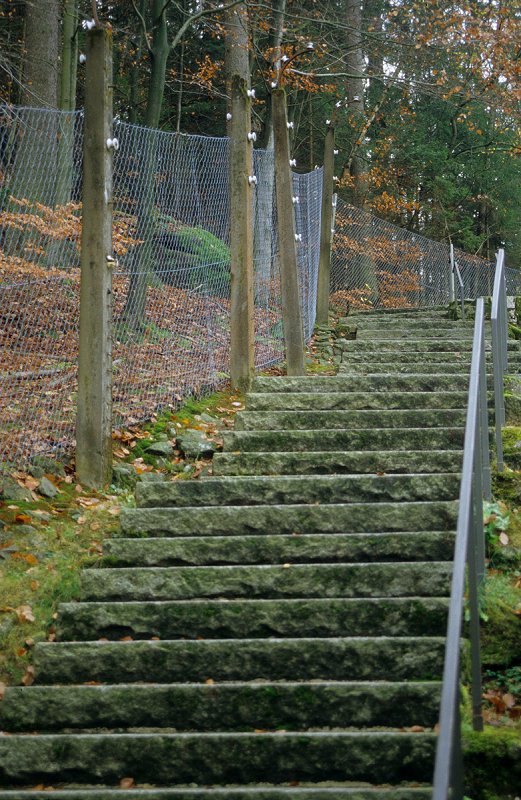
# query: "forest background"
426,94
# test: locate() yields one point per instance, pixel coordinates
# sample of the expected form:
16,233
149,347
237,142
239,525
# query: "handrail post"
499,324
452,285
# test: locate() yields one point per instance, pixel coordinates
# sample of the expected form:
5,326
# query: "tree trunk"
355,65
141,257
236,51
41,44
265,270
65,165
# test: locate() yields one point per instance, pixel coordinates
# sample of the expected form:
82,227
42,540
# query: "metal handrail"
455,271
499,323
461,290
469,551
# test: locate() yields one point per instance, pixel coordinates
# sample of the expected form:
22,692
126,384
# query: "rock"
195,444
11,490
151,477
47,489
160,449
40,516
124,476
49,466
36,471
25,530
207,418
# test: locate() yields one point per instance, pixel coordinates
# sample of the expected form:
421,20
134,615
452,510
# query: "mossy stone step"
398,366
373,439
337,462
381,657
296,489
240,520
334,791
224,706
265,549
322,420
209,758
235,619
404,346
438,360
425,382
303,401
398,579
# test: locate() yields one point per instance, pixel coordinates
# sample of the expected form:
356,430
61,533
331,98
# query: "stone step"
317,384
296,489
397,366
381,756
239,520
329,420
438,360
409,346
266,549
387,658
402,439
337,462
223,706
303,401
234,619
427,331
398,579
335,791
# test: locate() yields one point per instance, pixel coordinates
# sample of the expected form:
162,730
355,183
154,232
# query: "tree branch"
203,13
143,25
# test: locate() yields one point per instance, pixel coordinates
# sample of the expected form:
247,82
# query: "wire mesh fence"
376,264
171,278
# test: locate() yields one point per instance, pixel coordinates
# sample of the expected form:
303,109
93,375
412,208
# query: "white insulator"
296,200
293,162
328,122
251,93
83,58
332,231
112,144
290,125
274,84
356,98
335,152
252,137
284,59
89,24
335,177
298,237
252,180
310,46
338,104
228,117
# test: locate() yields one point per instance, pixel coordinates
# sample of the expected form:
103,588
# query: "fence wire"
376,264
171,281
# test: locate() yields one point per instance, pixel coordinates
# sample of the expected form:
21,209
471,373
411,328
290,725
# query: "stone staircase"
275,631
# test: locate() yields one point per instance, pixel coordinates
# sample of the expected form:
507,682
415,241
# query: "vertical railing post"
326,228
452,286
291,310
499,325
242,186
94,414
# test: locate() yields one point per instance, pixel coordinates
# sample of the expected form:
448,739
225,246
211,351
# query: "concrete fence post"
94,413
242,185
291,310
326,228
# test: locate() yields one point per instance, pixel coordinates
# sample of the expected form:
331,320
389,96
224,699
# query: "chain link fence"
171,277
376,264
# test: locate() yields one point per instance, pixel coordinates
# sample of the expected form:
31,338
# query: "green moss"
501,629
492,763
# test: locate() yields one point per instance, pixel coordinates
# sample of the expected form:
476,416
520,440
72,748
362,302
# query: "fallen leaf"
29,558
95,526
23,519
34,585
209,681
127,783
24,613
509,700
29,677
81,520
503,538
